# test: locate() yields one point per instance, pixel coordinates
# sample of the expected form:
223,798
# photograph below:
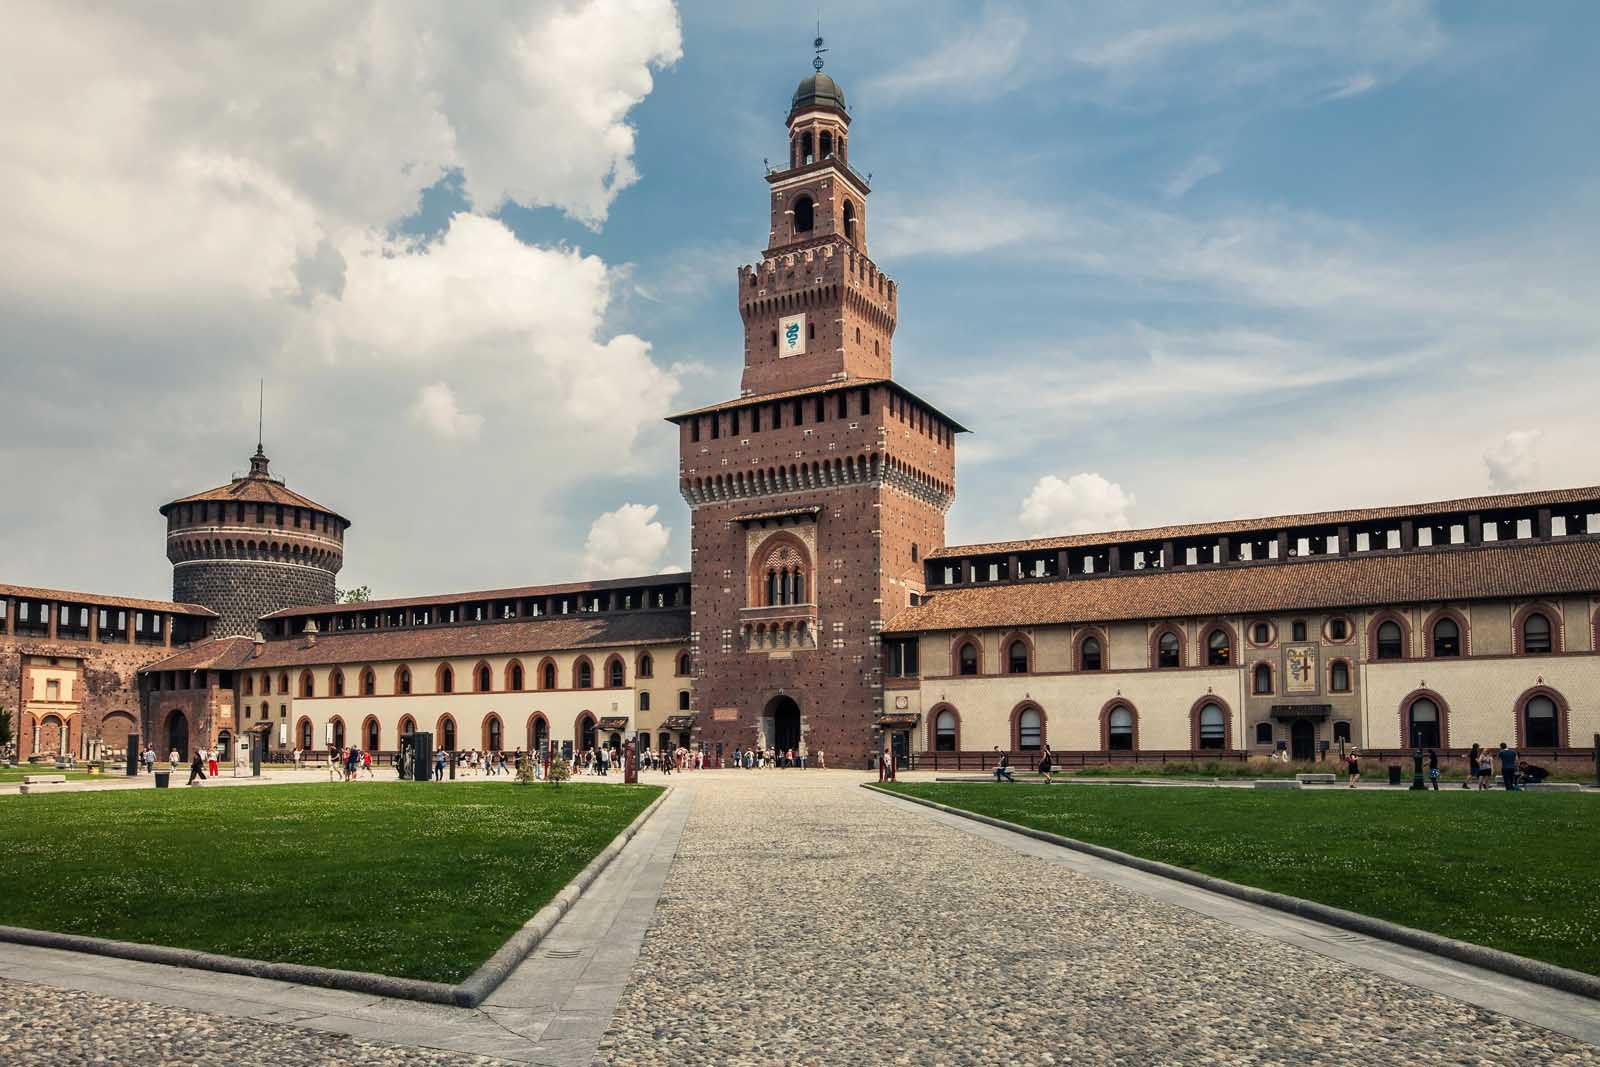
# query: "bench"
1318,778
1278,783
43,779
30,788
1555,787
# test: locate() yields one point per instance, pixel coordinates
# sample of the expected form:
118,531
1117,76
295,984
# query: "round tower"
251,547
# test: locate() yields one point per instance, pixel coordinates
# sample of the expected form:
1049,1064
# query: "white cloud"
1084,503
436,410
626,543
1513,462
1191,174
1357,85
196,195
979,60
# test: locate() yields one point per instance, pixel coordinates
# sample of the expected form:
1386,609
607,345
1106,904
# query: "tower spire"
258,462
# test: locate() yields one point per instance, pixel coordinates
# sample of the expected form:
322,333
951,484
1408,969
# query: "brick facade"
824,454
241,591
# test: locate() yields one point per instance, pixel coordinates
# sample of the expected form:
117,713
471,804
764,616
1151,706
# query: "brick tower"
251,547
814,494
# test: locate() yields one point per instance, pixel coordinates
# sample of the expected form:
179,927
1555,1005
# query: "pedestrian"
438,766
173,758
1002,769
1433,768
366,763
1472,766
149,760
1485,770
1046,764
1508,767
211,762
822,760
197,768
1352,764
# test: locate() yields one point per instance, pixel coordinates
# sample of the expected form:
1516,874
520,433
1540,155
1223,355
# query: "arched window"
644,700
944,731
967,659
447,679
1446,638
826,141
1262,682
1169,653
408,725
336,682
1119,729
614,674
538,734
369,682
283,681
1339,677
447,734
1341,732
305,734
514,678
1089,654
549,681
1536,634
1017,657
493,734
249,685
307,685
1030,729
1390,644
683,665
683,700
337,732
804,215
402,680
374,735
1541,724
481,680
586,733
1260,633
583,675
1263,733
646,667
1212,727
849,221
1219,650
1422,721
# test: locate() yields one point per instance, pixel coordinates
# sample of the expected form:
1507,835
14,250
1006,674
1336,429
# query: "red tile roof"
1543,498
649,581
1491,571
811,390
517,637
251,490
32,592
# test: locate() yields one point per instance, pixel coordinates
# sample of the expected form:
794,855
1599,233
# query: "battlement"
828,263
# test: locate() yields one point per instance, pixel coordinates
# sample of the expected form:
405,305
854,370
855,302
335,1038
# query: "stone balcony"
779,628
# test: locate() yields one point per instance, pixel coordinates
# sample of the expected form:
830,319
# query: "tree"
359,595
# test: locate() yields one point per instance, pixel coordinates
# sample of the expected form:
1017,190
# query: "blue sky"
1169,262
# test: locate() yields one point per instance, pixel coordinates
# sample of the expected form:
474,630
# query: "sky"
1170,262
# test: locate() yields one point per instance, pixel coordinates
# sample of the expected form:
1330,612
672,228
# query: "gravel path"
815,923
41,1026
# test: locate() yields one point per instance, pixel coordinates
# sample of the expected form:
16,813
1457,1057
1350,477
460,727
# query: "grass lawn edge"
1493,959
468,993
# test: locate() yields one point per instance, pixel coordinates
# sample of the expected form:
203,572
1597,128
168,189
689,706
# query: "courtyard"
793,916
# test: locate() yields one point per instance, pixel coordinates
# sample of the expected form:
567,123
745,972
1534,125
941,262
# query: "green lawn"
1515,871
11,775
399,878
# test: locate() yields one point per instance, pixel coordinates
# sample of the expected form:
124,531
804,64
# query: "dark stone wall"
241,591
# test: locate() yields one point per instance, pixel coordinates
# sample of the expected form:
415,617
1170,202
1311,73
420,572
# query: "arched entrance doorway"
1303,740
586,733
782,723
178,734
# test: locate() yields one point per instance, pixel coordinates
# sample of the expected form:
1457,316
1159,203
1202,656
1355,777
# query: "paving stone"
815,923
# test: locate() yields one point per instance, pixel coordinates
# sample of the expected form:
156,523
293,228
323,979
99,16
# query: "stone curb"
1492,959
468,994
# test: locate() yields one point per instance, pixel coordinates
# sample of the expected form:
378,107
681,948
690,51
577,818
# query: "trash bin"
162,778
1394,775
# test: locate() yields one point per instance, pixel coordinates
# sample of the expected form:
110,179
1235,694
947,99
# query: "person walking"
1002,769
1472,766
211,762
1508,767
438,766
1433,768
197,768
1046,765
366,762
1485,770
1352,765
149,760
173,758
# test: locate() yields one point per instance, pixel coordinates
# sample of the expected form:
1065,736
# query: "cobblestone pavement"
816,923
41,1026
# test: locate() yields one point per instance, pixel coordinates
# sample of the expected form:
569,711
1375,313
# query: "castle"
824,611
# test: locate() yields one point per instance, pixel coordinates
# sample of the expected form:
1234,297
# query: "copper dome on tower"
817,90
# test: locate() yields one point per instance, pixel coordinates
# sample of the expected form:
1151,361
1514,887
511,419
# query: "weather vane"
816,63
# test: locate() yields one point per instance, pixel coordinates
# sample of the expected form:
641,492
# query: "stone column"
55,620
166,630
94,624
11,616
